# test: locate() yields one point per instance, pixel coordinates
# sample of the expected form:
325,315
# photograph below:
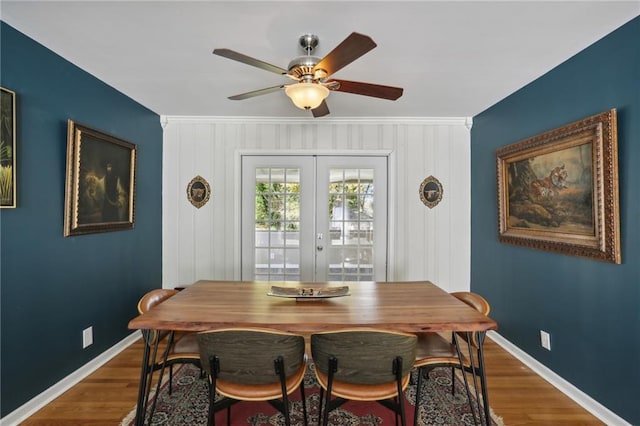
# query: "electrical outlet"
87,337
545,340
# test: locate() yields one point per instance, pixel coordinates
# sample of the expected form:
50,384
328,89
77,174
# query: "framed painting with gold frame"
558,191
100,182
7,148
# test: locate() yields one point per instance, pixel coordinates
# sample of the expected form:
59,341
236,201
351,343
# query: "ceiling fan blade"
230,54
351,48
321,110
258,92
368,89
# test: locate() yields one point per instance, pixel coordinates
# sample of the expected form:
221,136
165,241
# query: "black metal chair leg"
320,405
397,366
304,403
142,395
483,378
149,381
170,378
161,376
453,379
214,368
416,409
464,378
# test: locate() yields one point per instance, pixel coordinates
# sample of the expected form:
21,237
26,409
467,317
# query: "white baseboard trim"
588,403
30,407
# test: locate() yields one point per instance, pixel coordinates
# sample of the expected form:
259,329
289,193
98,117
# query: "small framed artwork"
7,148
431,192
558,191
198,192
100,182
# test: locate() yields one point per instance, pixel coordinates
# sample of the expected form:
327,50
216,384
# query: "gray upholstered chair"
363,365
433,351
253,364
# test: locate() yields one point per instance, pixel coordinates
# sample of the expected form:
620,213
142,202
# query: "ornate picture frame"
100,182
431,192
198,192
7,148
558,191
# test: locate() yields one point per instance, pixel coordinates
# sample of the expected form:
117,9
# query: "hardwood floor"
516,393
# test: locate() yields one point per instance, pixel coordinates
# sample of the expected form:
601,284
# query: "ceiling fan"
312,74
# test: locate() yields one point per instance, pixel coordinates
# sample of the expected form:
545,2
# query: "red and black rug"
188,405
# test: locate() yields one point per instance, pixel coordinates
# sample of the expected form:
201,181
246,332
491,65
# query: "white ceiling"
453,59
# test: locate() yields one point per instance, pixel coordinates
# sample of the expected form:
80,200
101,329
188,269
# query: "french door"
314,218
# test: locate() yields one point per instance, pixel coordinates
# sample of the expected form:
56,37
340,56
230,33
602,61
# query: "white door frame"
391,195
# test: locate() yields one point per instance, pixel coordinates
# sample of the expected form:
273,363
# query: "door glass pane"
292,236
292,207
351,194
277,224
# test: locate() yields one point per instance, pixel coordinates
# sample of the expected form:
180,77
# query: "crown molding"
449,121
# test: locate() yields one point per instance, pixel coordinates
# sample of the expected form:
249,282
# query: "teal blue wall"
591,308
53,287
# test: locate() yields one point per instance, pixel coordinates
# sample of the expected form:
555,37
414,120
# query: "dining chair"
363,365
253,364
180,348
433,351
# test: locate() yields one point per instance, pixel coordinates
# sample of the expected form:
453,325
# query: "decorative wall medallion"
431,192
198,191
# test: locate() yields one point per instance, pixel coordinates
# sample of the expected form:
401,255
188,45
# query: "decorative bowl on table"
303,293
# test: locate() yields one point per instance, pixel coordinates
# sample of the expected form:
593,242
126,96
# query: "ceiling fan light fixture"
307,95
312,74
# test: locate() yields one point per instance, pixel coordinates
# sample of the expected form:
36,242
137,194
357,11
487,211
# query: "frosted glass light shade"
307,95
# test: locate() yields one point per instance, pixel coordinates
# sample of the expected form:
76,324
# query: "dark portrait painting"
104,182
7,148
101,175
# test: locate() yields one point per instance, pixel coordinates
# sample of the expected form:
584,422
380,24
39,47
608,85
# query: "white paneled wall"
424,244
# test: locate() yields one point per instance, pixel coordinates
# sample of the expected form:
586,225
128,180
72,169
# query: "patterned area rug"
188,405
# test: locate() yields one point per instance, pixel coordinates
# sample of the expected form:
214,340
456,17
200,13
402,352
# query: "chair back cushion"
364,356
247,355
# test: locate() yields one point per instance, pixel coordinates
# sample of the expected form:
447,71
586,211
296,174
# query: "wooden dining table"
414,307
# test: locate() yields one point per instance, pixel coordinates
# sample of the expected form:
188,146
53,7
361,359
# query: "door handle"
319,248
